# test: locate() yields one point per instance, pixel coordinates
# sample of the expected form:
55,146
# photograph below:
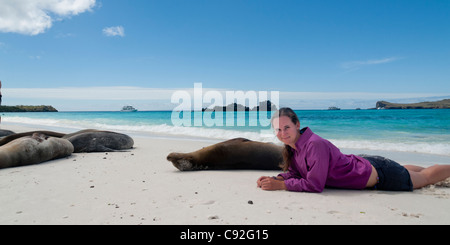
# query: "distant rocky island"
28,108
441,104
263,106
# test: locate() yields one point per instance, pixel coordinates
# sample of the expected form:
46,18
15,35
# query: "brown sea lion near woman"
237,153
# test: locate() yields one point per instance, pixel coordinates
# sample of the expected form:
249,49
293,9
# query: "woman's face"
286,130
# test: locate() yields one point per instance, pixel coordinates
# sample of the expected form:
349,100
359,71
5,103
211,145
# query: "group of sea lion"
40,146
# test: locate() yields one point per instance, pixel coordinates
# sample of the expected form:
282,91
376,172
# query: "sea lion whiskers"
181,161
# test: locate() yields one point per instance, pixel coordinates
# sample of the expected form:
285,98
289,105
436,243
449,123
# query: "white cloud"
353,95
35,57
114,31
32,17
353,65
90,93
65,35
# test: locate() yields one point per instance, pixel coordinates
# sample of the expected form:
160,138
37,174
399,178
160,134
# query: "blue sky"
392,49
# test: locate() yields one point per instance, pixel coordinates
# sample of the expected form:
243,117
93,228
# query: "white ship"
128,108
334,108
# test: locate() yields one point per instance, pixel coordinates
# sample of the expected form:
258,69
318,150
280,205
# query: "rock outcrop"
28,108
441,104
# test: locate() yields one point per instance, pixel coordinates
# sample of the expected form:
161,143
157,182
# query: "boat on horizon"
128,108
334,108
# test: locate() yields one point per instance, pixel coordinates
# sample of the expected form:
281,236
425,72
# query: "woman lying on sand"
312,163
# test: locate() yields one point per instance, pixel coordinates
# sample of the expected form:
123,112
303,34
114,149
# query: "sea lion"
33,149
236,153
88,140
11,137
4,133
91,140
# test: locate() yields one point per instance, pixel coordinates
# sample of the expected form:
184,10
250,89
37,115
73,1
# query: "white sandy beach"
142,187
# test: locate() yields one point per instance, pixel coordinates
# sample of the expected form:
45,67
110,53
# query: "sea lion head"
185,162
39,137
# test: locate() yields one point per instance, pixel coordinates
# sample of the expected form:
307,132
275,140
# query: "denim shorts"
391,175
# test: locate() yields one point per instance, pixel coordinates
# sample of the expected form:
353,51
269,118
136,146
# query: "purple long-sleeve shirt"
318,163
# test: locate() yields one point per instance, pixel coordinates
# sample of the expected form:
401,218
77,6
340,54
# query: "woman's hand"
271,183
258,182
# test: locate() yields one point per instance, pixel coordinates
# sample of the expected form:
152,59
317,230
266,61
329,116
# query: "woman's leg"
421,177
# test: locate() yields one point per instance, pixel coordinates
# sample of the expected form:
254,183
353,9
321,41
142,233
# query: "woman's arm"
318,162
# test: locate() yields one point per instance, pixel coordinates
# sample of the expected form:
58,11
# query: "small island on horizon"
28,108
441,104
263,106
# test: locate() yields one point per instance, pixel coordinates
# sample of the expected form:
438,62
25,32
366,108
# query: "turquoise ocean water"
422,131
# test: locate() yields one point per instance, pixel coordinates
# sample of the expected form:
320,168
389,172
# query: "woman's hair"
288,152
